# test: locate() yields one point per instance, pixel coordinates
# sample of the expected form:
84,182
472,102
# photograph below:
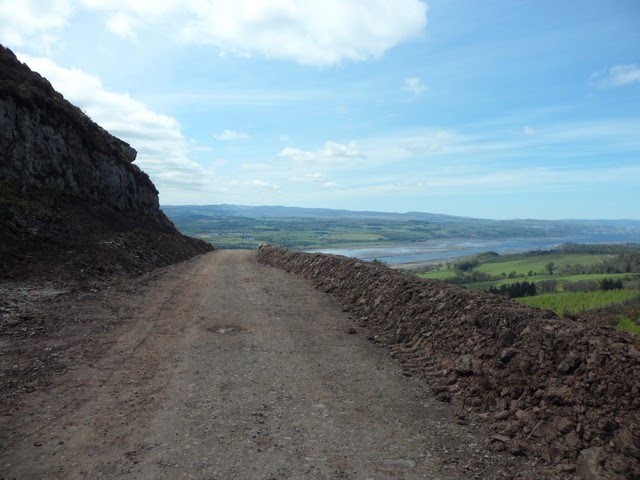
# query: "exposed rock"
589,464
45,142
72,203
464,365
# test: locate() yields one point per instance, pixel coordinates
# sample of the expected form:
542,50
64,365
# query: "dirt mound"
52,236
562,390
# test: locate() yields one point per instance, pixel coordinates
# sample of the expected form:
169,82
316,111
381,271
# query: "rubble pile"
556,388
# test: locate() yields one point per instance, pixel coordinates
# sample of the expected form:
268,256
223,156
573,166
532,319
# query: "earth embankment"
561,390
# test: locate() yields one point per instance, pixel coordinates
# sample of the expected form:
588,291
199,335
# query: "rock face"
45,142
564,391
69,192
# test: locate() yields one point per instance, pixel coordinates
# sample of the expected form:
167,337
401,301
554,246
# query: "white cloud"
311,178
434,141
316,178
310,32
162,149
32,22
617,76
541,178
230,135
332,152
122,25
414,85
528,131
255,185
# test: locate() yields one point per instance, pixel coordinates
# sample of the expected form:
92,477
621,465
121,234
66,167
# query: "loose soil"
217,368
555,388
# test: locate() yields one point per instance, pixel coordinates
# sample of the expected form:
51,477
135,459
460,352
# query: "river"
448,249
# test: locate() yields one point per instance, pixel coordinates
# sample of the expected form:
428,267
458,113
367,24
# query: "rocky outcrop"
46,142
564,391
69,192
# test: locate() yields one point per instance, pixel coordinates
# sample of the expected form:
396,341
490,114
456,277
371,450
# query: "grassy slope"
576,302
540,278
536,263
571,302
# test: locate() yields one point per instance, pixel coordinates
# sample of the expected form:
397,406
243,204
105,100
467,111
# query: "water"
447,249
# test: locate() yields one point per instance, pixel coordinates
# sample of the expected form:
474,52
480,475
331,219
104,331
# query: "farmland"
236,226
572,280
577,302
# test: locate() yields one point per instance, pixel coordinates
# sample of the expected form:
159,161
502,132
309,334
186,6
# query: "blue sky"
495,109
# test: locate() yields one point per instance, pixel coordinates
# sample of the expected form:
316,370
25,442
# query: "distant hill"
227,210
235,226
267,211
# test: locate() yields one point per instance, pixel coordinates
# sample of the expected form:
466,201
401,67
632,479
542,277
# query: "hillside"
71,199
239,226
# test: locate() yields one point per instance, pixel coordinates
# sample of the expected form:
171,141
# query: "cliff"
67,184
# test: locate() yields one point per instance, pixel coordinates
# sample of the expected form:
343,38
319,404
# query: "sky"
492,109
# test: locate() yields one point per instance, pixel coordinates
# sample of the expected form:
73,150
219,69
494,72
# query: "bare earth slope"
220,368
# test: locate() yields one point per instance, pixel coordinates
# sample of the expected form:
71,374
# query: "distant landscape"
573,267
398,239
237,226
569,280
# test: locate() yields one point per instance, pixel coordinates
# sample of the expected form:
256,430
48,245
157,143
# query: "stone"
559,395
464,365
589,464
507,354
503,415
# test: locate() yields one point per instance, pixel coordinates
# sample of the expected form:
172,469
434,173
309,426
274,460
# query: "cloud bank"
332,152
310,32
617,76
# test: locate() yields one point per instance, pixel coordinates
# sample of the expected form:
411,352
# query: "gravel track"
222,368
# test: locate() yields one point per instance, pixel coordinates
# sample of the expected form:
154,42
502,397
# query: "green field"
522,264
438,274
578,275
540,278
236,226
576,302
537,263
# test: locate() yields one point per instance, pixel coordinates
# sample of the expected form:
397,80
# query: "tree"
549,267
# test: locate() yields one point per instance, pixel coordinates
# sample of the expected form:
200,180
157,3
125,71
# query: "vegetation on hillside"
233,226
570,280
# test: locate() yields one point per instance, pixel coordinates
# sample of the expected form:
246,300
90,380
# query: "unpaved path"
227,369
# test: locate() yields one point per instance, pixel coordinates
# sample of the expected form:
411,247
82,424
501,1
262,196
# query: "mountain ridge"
258,211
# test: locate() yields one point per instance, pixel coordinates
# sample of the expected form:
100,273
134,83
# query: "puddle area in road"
226,329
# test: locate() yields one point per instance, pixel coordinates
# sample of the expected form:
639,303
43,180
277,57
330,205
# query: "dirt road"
227,369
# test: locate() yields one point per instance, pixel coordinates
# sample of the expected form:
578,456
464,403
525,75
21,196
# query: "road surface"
228,369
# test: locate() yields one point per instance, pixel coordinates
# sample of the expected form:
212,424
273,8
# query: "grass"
438,274
576,302
540,278
627,325
536,263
